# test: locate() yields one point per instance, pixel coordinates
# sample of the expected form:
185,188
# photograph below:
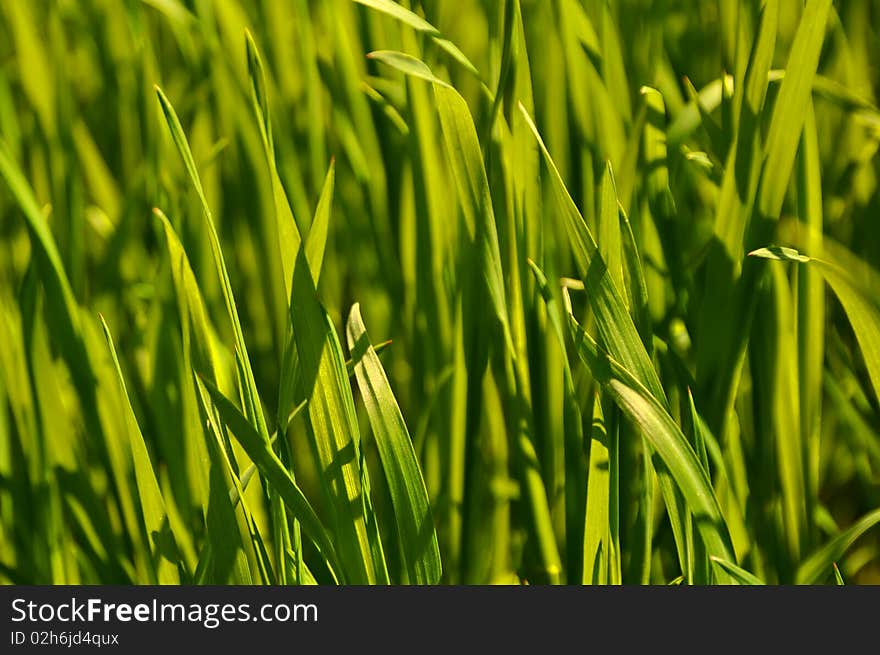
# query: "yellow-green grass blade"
856,285
790,108
614,322
741,576
419,24
641,407
816,566
466,161
161,537
316,240
323,381
409,496
255,549
288,236
597,542
253,407
274,472
616,328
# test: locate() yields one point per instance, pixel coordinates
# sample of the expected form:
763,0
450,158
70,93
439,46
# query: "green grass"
619,263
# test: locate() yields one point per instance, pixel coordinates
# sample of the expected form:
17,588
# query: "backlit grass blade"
616,328
287,231
253,407
407,488
271,468
856,285
641,407
597,542
419,24
323,382
466,161
741,576
816,567
790,109
316,241
159,531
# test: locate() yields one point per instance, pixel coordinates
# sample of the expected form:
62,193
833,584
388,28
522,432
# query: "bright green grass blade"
407,487
856,285
336,438
206,355
465,156
837,577
419,24
159,533
609,241
287,231
634,283
406,64
274,472
316,241
402,14
255,549
324,383
472,185
616,328
596,525
741,576
815,567
790,109
665,436
253,407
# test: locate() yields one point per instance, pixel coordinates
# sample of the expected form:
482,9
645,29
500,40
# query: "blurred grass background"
508,452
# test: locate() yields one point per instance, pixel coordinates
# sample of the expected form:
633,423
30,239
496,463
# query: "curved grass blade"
641,407
815,567
741,576
159,531
855,284
419,24
318,375
274,472
253,407
409,496
472,185
615,325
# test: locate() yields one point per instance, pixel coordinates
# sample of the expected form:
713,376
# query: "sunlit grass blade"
856,286
271,468
408,494
159,533
640,406
741,576
253,407
816,567
419,24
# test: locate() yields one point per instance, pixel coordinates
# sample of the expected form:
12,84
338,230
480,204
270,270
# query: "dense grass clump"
439,291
